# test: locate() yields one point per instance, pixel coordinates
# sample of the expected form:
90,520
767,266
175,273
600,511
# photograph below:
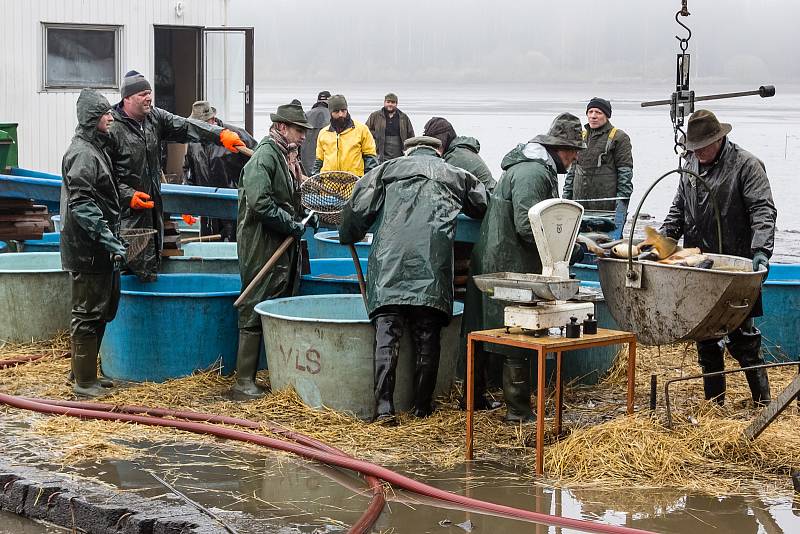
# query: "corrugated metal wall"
47,119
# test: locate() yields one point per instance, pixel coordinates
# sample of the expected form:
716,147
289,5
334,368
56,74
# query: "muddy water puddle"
275,493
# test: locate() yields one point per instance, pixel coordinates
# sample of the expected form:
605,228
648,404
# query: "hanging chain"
683,97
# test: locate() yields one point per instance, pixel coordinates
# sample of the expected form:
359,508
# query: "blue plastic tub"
172,327
3,247
780,324
48,243
328,246
331,276
585,272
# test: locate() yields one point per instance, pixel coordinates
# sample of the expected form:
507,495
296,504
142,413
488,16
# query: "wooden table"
514,337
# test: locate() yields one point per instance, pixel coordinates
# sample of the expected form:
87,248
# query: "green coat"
506,242
463,153
89,199
269,203
413,202
603,170
135,153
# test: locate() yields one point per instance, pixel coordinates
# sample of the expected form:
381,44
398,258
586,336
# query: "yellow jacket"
345,151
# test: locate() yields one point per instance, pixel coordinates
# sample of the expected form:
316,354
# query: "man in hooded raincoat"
413,202
138,130
269,212
506,244
460,151
90,245
743,195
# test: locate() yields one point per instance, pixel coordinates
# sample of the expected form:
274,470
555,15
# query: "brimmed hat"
323,96
566,131
202,111
703,129
422,140
291,114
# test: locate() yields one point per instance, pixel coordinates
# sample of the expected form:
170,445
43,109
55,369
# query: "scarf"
290,153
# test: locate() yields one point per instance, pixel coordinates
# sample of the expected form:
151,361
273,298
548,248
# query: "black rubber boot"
84,367
710,357
744,345
517,390
427,342
247,365
388,331
481,360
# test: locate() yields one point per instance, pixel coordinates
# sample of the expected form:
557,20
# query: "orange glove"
231,140
141,201
189,219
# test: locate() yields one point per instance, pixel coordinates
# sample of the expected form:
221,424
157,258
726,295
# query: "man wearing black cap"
135,149
390,128
740,187
605,168
416,199
318,117
506,244
269,212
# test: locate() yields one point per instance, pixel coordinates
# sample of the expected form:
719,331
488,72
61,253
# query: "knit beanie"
391,97
600,103
441,129
133,83
337,103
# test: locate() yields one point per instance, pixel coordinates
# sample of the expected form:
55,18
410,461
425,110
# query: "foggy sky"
743,42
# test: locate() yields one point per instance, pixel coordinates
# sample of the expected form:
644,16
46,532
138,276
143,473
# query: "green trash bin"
10,128
6,144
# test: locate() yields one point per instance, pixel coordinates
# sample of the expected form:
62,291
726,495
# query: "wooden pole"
362,286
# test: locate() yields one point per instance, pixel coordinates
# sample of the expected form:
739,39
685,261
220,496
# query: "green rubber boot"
247,365
84,368
517,390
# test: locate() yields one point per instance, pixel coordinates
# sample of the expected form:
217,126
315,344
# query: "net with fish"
327,193
137,239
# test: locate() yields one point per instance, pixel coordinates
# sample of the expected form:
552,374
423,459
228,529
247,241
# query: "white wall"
47,119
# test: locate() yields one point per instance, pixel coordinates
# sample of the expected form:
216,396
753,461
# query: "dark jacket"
377,127
506,241
268,204
603,170
318,117
135,152
214,165
741,188
413,202
463,153
90,203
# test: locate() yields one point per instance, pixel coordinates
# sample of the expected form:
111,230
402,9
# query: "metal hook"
684,42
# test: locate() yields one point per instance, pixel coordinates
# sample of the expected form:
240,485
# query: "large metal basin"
680,303
322,345
35,296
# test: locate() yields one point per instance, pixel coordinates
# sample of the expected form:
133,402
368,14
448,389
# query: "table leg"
541,387
470,387
631,373
558,393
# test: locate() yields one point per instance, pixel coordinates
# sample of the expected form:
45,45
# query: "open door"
228,74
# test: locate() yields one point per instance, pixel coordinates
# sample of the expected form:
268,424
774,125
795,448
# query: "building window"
79,55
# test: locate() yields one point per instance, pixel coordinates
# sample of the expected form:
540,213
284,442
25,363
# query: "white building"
51,49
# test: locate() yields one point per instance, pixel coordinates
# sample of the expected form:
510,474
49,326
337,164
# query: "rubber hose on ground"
361,466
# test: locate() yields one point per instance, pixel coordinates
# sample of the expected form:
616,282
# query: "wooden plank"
773,410
172,252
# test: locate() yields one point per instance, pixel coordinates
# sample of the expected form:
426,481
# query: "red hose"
361,466
13,362
364,523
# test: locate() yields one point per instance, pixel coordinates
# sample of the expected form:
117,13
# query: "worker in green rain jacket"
460,151
90,238
269,212
412,201
137,133
506,244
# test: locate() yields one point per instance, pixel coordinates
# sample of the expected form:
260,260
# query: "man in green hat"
269,212
413,201
740,187
390,128
506,244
